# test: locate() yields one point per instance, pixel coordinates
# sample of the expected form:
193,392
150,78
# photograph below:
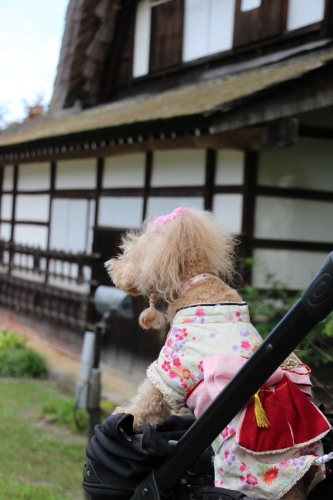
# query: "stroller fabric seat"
118,460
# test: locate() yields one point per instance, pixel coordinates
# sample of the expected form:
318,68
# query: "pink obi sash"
294,421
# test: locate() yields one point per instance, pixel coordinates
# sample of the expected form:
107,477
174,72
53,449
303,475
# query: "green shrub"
66,413
22,362
9,339
267,307
12,489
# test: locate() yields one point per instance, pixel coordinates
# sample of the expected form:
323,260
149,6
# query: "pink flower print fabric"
199,332
267,476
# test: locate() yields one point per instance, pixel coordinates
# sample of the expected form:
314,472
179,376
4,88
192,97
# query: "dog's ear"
151,317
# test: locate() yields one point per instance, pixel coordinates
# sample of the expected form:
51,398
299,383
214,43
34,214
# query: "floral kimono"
205,347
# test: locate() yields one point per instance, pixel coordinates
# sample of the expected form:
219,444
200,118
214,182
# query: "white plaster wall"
161,205
5,231
28,234
179,167
304,12
307,165
295,268
293,219
250,5
124,171
70,225
76,174
34,177
228,209
8,178
122,211
32,207
6,206
229,167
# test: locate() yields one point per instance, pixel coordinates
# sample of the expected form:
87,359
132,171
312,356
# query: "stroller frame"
314,305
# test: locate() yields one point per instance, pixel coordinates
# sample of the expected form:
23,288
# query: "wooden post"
250,183
210,178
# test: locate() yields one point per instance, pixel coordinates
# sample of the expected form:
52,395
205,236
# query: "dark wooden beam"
316,132
281,133
74,193
210,178
229,189
11,254
305,194
178,191
257,24
310,246
166,41
122,192
16,167
148,174
44,191
53,173
2,171
249,198
32,222
99,186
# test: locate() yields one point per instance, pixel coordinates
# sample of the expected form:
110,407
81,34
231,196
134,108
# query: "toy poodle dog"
186,258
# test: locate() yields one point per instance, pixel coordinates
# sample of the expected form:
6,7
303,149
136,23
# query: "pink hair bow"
165,218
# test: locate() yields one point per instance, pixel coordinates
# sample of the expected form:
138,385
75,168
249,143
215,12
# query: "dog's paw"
137,425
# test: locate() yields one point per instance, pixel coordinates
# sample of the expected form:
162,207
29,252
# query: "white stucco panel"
71,225
34,177
228,209
28,234
122,211
124,171
229,167
293,219
8,178
5,231
161,205
32,207
307,165
179,167
76,174
294,268
6,206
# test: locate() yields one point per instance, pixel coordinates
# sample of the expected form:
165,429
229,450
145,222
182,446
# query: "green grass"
64,413
38,461
11,488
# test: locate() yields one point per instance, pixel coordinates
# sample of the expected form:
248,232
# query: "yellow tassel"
260,414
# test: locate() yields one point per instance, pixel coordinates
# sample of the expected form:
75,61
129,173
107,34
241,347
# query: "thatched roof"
203,98
88,33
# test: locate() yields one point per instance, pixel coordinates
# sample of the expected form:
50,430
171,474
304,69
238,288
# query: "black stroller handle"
314,305
317,298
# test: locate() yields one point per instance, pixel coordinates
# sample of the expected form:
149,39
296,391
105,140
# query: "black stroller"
174,462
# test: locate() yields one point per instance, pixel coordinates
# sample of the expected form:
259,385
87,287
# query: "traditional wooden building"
219,104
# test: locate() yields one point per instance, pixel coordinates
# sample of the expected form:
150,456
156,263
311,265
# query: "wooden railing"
50,284
47,266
